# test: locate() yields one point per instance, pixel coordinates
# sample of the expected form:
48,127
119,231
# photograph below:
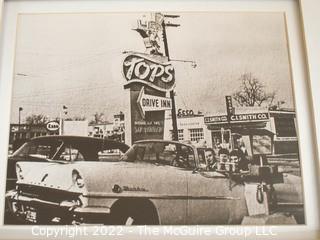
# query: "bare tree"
36,119
97,118
252,92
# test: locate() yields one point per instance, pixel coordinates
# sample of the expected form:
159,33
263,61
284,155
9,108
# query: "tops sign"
52,126
153,71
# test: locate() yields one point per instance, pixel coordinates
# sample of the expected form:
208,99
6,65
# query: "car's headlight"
77,179
19,172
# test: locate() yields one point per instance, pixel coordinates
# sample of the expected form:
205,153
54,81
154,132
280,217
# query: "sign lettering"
216,119
229,105
52,126
185,113
152,103
147,127
153,71
246,117
249,117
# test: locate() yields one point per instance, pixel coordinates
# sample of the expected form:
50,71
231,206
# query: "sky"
76,60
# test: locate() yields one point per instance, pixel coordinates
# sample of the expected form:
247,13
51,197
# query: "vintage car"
57,150
155,182
63,148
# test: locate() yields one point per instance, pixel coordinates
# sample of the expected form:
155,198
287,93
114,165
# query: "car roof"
82,140
163,141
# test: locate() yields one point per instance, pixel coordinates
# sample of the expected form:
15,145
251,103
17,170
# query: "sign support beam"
173,109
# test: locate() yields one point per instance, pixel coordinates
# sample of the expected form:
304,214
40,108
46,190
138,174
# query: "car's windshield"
166,153
38,150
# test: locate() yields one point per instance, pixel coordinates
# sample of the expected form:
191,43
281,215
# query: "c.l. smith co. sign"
154,71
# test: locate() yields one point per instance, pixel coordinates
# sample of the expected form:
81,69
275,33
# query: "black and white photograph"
153,118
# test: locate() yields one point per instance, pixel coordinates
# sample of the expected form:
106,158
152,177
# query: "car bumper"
35,210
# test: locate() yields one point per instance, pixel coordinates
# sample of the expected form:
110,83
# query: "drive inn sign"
155,72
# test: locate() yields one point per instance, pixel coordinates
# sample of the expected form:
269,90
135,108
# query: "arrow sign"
149,103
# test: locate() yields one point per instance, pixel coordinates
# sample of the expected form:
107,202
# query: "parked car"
56,151
155,182
62,149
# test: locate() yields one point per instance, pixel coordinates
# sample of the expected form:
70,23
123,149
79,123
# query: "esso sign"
153,71
53,126
185,113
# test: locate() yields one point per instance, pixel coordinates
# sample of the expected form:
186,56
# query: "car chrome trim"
95,210
289,204
15,197
18,198
159,196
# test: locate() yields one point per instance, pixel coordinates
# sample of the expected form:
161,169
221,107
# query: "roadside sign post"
173,109
150,77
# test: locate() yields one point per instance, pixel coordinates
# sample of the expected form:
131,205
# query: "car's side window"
190,156
23,150
202,160
160,153
169,154
163,153
45,151
185,157
150,153
70,154
109,155
140,151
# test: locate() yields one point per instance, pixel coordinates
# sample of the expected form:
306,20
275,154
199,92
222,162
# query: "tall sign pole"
166,49
150,76
229,107
230,112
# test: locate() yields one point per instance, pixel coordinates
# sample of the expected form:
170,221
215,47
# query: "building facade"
113,130
100,130
260,130
191,129
21,133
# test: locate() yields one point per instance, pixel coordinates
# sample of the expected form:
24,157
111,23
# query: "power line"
61,91
57,68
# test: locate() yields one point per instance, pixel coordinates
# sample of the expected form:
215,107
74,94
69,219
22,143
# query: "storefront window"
180,135
285,127
196,134
220,138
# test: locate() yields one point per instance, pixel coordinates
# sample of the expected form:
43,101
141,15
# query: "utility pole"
61,119
166,49
20,109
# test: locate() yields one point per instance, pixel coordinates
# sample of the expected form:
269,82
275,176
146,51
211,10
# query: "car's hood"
46,174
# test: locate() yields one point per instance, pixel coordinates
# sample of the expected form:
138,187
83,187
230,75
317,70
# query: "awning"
253,131
237,126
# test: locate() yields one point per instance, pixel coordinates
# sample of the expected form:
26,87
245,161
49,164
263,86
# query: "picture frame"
304,51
